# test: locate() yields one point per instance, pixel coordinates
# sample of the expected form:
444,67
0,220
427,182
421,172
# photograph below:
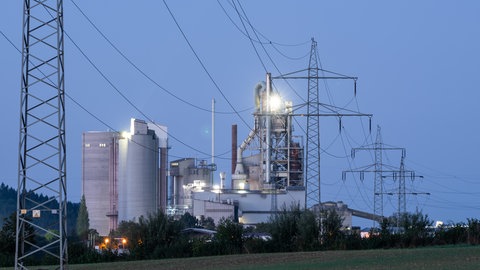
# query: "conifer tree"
83,222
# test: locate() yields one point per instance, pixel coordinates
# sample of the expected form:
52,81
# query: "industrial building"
124,174
267,169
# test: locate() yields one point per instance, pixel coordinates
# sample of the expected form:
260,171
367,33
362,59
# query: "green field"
450,257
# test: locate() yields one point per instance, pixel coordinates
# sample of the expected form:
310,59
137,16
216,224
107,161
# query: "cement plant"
142,200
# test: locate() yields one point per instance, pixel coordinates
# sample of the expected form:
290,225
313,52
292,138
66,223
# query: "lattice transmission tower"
42,146
312,157
313,114
382,171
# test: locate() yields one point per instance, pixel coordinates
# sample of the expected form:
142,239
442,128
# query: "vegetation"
8,205
158,236
83,224
431,258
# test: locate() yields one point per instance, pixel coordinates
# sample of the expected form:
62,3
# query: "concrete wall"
253,207
99,161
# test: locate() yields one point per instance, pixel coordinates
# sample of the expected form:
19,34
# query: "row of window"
102,145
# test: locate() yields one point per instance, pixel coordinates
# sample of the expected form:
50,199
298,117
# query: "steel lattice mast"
312,160
42,147
378,184
312,156
380,169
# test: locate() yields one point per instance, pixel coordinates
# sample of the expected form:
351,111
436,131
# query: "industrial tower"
42,147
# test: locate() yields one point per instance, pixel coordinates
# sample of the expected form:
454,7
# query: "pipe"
239,166
268,129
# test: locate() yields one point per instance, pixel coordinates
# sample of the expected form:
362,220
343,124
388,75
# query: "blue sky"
417,63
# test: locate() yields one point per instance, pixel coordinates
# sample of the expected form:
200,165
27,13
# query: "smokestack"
234,148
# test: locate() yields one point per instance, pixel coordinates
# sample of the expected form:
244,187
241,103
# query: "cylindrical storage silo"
138,180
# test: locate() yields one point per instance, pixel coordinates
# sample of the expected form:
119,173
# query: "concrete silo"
124,174
138,178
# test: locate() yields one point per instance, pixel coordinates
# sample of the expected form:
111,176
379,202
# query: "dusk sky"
417,63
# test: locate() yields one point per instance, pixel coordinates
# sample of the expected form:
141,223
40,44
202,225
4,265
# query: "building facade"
124,174
99,179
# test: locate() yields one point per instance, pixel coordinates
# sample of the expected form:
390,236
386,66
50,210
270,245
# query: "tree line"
158,236
8,205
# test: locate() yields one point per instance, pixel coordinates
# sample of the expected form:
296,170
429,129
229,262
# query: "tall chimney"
234,148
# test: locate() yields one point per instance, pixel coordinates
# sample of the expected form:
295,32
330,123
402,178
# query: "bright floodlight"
275,103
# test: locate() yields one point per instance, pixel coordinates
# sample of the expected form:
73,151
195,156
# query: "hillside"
8,204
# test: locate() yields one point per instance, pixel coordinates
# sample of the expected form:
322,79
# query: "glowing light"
275,103
107,240
124,241
241,185
126,135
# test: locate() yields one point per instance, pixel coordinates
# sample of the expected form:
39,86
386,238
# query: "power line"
203,65
137,68
120,93
250,39
269,41
264,49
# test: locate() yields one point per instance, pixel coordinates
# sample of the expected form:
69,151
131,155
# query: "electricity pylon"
312,161
379,169
42,146
402,193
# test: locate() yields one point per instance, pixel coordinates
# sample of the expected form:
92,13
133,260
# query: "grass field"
449,257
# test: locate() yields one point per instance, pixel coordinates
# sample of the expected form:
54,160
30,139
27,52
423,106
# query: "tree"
473,231
284,228
83,223
308,232
7,234
416,229
188,221
229,236
7,238
207,223
160,236
132,231
331,224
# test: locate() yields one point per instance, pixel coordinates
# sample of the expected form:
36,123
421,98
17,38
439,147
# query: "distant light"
124,241
107,240
241,185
